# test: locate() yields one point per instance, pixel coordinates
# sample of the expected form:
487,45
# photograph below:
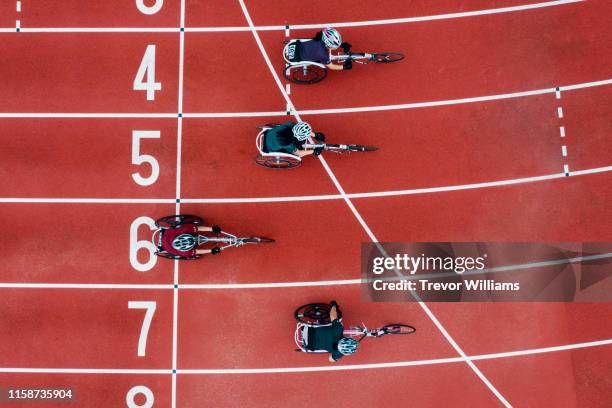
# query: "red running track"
220,328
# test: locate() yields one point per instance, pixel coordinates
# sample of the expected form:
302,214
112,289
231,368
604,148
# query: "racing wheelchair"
310,72
311,316
279,160
223,240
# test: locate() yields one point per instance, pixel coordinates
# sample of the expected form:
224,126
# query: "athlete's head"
331,38
301,131
347,345
184,242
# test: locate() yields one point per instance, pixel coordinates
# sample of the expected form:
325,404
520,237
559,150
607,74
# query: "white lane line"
277,285
562,131
410,363
558,93
405,20
18,25
179,148
101,30
566,170
375,108
360,218
89,200
148,286
564,151
18,7
69,115
448,360
560,112
288,89
375,194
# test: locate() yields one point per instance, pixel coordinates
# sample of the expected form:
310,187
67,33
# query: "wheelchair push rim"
173,221
278,162
315,314
305,74
387,57
397,328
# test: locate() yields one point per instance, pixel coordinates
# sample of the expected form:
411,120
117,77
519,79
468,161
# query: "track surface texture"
497,126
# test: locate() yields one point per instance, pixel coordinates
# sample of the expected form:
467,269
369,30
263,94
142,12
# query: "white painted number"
138,158
143,8
147,66
136,245
146,324
139,389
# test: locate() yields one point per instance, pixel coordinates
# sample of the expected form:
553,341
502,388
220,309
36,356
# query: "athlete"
183,240
320,48
290,137
331,339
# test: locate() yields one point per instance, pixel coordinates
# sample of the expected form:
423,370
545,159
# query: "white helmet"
301,131
184,242
331,38
347,346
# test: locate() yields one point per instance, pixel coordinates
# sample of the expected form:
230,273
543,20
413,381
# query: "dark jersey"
327,337
280,139
314,51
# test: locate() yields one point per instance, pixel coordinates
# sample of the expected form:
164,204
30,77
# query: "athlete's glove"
348,64
320,136
333,303
317,151
346,47
216,229
215,250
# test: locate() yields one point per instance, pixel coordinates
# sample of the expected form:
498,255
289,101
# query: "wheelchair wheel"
173,221
182,258
398,329
388,57
278,162
315,314
305,74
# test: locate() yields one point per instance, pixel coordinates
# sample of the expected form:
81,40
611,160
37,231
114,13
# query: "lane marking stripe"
410,363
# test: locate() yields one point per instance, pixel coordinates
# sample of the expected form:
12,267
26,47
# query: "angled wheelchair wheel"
315,314
388,57
171,256
257,240
398,329
173,221
360,148
278,162
305,74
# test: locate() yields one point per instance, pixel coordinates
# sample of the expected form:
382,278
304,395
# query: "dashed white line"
18,7
562,131
564,151
560,112
288,89
566,169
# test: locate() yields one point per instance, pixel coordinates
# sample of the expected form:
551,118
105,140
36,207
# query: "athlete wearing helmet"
290,138
183,240
331,339
320,47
